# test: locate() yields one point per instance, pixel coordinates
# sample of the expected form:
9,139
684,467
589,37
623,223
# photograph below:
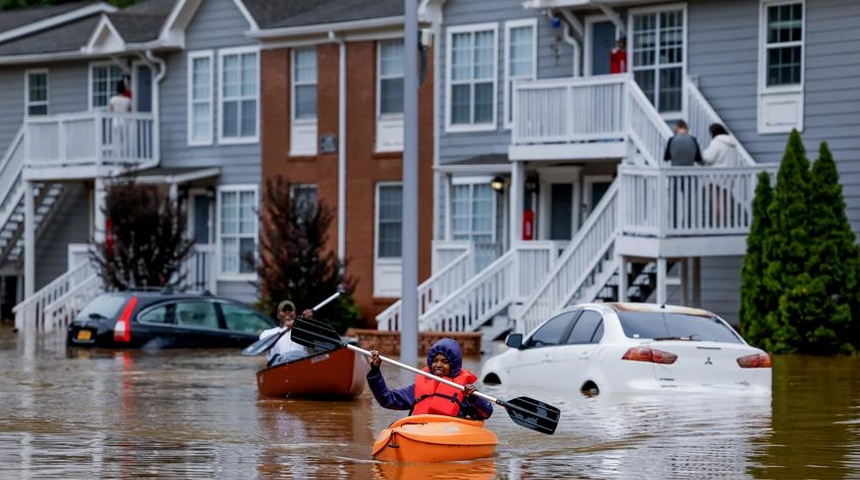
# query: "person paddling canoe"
426,395
285,350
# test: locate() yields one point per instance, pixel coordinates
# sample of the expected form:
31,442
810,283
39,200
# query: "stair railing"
11,188
646,128
30,314
700,116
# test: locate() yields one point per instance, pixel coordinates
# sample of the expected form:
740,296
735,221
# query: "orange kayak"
434,438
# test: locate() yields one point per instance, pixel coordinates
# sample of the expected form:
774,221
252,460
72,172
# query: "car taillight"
122,329
757,360
645,354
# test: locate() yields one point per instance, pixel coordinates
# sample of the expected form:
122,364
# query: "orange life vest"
437,398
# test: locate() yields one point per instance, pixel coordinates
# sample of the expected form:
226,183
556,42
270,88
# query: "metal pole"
409,324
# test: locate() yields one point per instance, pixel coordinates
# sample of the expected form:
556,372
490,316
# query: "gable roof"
143,21
65,38
285,14
25,21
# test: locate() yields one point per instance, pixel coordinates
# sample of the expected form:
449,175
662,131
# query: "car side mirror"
514,340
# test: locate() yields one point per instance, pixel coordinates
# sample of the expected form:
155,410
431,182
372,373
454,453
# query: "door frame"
548,176
193,192
587,58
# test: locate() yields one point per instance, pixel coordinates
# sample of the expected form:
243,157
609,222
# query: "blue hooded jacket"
404,398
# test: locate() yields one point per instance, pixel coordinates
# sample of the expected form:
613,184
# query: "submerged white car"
622,347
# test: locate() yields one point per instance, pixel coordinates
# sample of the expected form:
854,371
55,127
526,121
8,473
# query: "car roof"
646,307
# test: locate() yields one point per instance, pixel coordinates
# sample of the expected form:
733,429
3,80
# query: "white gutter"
328,27
573,24
156,103
341,147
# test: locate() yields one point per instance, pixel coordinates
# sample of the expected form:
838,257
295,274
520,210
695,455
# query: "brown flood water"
83,414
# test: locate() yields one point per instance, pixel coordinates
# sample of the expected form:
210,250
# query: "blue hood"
451,349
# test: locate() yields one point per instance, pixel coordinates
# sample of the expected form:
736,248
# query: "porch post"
622,279
697,282
449,190
685,281
516,196
29,240
99,203
661,280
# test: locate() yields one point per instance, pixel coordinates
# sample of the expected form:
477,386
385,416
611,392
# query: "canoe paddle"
524,411
262,346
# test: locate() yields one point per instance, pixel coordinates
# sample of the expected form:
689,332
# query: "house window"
658,57
200,91
304,196
389,123
305,84
239,95
237,229
37,92
473,210
783,44
472,51
389,221
520,55
103,82
303,127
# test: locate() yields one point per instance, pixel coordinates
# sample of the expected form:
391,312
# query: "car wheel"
589,389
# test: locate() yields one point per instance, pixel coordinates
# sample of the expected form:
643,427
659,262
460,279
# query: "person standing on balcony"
682,150
618,57
722,152
119,104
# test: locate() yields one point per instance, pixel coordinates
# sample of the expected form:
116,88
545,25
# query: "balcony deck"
88,144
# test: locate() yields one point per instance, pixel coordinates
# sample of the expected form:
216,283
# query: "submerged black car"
166,320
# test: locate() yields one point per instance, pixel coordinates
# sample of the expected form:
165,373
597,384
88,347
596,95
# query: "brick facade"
364,167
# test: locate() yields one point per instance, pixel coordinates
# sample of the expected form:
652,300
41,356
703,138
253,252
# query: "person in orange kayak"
426,395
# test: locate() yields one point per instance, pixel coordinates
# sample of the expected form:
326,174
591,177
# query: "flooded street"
196,414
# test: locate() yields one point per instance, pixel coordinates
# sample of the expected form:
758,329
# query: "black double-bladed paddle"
262,346
524,411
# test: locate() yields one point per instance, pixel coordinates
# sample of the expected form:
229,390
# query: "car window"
676,325
104,306
196,314
243,319
553,331
586,324
160,314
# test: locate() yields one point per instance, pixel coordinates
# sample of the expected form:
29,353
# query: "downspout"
341,147
573,24
156,105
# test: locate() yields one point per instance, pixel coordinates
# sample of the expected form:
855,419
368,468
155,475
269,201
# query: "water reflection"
196,414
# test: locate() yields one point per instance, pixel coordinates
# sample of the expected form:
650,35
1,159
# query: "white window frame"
389,126
389,270
305,127
669,115
30,103
256,96
237,188
192,56
449,39
473,181
509,81
790,96
111,87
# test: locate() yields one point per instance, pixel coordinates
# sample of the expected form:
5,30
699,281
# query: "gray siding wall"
723,41
217,25
555,59
71,225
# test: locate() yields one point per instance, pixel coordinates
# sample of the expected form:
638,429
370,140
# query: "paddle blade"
533,414
261,346
315,334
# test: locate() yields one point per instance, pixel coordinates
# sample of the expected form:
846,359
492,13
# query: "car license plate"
84,335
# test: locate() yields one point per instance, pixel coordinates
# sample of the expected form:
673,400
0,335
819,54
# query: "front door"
201,226
595,188
561,211
142,91
601,41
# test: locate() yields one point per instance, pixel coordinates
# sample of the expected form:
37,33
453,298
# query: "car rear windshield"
104,305
679,326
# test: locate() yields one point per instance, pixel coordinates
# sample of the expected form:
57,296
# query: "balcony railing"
90,139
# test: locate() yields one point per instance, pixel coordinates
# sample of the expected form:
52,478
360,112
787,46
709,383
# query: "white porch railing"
90,139
569,110
576,264
700,116
33,313
687,201
512,277
436,288
199,269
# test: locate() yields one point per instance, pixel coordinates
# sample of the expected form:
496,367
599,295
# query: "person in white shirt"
721,153
120,103
285,350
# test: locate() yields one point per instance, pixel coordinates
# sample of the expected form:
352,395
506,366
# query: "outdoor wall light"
497,183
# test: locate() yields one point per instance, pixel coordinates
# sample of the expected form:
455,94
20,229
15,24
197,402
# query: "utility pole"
409,282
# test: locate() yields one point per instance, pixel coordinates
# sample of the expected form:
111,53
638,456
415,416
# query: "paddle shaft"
428,375
319,306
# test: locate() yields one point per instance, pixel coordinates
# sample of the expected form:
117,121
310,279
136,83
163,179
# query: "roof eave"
286,32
